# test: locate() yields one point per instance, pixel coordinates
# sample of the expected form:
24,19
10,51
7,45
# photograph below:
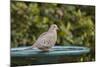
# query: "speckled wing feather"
46,40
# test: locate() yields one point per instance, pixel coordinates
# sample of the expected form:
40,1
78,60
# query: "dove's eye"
55,27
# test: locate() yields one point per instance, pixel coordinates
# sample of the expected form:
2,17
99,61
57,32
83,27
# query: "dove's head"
53,27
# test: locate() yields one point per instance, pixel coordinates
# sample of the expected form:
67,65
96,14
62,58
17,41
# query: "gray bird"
47,39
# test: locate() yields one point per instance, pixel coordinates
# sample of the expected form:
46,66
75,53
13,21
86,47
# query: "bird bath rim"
55,51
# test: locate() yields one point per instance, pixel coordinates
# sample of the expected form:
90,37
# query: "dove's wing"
35,44
43,34
46,40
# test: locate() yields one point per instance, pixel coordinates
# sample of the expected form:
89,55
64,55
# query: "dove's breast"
52,37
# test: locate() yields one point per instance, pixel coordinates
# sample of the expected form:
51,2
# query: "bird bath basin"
19,56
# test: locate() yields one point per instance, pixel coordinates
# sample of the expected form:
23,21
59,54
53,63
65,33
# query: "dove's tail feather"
20,49
33,46
28,48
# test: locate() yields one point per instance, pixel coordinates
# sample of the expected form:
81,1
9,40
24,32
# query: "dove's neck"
52,31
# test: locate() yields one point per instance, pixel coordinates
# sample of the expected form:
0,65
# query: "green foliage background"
76,23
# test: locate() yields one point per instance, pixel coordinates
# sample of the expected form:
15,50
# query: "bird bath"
24,56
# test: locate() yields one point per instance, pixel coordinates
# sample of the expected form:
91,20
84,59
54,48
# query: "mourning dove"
47,39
